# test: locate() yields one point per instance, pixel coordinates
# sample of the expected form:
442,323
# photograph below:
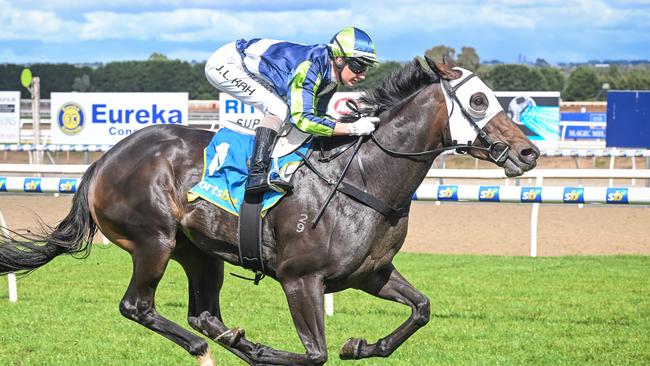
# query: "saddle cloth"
225,169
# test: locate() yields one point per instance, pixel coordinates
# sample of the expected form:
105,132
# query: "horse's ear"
443,70
432,64
448,62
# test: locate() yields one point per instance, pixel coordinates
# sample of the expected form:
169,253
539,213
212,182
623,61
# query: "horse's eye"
478,101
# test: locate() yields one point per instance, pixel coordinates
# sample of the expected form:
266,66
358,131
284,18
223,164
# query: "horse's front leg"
305,296
390,285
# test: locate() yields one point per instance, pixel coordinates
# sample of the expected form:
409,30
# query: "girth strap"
372,201
250,235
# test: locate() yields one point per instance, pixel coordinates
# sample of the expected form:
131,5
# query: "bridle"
497,150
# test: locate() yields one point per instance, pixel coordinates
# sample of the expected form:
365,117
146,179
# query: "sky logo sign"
488,194
32,185
531,194
447,193
3,184
617,195
67,185
574,195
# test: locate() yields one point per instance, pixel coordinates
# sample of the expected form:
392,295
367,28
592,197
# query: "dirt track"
467,228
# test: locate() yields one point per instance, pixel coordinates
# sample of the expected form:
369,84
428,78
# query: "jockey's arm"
305,114
303,103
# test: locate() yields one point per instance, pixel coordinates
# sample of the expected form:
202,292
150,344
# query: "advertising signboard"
237,116
536,113
9,117
106,118
628,119
583,126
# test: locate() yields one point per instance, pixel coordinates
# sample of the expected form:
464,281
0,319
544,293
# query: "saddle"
289,140
224,180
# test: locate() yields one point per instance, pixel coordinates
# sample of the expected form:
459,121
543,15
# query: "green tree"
81,83
554,78
200,88
582,85
516,78
469,59
440,53
144,76
157,57
636,79
10,79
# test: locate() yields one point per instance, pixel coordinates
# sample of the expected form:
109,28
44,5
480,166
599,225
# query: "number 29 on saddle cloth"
225,171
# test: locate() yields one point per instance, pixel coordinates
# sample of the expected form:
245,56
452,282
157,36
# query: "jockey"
292,82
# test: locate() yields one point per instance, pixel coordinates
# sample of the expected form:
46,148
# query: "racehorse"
136,195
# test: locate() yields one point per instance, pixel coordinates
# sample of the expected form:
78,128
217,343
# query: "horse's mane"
396,87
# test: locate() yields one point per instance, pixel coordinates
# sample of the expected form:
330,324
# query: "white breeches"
225,72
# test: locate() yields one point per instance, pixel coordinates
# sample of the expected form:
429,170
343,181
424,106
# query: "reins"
499,147
357,145
497,151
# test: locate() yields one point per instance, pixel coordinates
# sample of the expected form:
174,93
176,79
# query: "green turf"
484,311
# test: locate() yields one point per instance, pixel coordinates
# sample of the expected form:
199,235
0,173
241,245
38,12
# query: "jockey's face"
349,77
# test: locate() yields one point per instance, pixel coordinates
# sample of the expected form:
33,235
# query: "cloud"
394,24
23,24
201,20
121,6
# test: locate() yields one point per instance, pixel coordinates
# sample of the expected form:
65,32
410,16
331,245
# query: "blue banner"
531,194
448,193
584,132
488,194
583,117
574,195
617,195
628,119
32,185
67,185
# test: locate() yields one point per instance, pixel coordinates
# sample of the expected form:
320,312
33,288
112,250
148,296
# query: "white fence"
43,169
604,152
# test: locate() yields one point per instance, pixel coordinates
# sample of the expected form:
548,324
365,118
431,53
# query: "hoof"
351,350
231,336
206,359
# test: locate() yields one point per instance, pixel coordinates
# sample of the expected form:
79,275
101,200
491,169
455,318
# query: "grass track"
484,310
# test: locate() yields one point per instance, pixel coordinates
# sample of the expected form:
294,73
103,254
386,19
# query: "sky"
82,31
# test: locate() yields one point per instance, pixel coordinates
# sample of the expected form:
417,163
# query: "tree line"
582,83
159,74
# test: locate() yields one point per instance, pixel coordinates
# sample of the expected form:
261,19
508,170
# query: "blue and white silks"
225,171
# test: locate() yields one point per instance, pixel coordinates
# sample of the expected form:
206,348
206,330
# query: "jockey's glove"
363,126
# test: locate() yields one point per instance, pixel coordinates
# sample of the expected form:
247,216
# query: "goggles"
356,66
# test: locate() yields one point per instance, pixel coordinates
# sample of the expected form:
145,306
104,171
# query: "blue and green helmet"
352,42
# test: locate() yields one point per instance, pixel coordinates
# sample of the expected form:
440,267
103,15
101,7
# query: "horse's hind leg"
149,262
205,278
305,297
390,285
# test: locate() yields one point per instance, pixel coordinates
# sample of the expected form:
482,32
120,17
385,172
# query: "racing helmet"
352,42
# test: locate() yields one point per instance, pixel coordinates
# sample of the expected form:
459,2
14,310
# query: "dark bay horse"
136,195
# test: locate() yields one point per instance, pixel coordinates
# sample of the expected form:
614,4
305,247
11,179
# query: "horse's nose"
529,155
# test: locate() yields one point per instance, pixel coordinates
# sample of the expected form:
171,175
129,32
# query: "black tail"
24,252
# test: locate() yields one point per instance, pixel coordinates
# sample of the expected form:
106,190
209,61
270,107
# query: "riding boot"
259,164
